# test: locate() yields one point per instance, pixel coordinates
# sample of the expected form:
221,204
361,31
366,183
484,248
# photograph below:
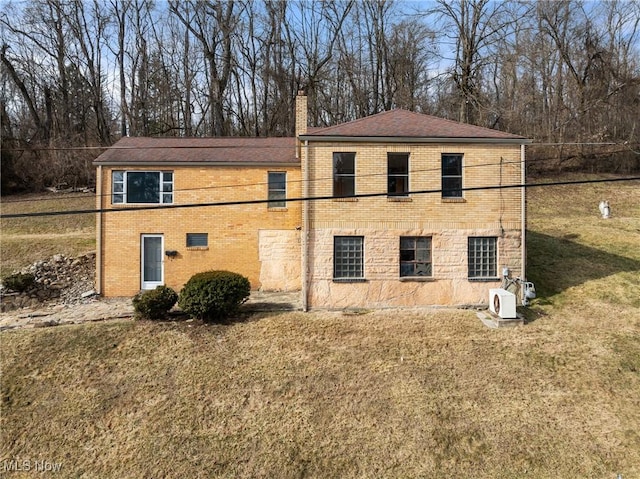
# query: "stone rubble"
58,280
64,294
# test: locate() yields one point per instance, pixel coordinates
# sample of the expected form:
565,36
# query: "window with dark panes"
141,187
197,240
451,175
348,257
344,174
398,174
482,257
277,189
415,256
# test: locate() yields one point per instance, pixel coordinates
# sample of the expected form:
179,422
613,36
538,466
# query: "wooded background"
77,74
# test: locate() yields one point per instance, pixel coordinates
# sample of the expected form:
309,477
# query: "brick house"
403,218
151,231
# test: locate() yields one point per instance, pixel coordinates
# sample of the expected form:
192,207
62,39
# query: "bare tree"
212,23
473,26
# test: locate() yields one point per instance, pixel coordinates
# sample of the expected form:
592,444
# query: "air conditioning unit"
502,303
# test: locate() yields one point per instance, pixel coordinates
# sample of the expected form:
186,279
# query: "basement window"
482,258
348,258
415,257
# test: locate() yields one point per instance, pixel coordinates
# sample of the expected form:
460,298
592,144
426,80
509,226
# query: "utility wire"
196,147
264,183
299,199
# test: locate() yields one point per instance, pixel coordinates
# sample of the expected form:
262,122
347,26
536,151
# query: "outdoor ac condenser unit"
502,303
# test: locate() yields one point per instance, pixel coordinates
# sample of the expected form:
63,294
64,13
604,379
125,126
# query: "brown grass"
414,393
26,240
383,394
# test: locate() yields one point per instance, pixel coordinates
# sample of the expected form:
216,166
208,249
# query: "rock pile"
59,279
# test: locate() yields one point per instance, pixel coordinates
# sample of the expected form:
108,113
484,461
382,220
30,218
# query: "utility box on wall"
502,303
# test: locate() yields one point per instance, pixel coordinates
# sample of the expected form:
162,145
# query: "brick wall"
233,231
382,220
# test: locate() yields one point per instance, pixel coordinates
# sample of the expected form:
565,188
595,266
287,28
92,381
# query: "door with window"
152,267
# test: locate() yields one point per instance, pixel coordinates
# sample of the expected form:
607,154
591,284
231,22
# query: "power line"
299,199
196,147
264,183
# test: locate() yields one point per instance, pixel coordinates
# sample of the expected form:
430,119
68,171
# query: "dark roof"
408,124
236,150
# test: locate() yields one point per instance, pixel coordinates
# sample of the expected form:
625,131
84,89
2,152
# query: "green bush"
19,282
155,303
214,295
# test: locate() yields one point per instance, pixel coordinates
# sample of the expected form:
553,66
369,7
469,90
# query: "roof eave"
413,139
131,163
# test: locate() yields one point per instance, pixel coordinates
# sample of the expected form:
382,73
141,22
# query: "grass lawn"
413,393
26,240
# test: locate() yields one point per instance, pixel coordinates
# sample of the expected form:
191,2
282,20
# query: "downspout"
523,206
99,205
305,228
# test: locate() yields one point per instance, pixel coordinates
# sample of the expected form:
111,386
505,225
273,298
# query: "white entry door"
152,247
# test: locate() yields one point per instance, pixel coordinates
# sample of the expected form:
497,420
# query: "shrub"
155,303
214,295
19,282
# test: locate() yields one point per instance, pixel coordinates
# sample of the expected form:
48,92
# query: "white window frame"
165,194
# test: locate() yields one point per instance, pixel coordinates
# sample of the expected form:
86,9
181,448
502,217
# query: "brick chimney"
301,119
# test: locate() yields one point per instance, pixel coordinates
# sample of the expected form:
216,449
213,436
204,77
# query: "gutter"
523,206
99,204
164,164
412,139
305,229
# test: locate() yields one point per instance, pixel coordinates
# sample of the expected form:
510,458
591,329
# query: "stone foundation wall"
279,255
383,286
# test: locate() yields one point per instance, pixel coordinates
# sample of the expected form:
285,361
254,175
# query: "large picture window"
415,256
141,187
277,189
344,174
451,175
482,257
398,174
348,257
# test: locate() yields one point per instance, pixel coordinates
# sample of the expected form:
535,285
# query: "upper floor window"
141,187
415,256
344,174
483,257
451,175
398,174
277,189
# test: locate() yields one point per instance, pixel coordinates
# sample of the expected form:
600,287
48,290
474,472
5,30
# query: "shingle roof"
143,150
408,124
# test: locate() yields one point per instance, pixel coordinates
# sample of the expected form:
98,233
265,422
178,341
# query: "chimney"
301,119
